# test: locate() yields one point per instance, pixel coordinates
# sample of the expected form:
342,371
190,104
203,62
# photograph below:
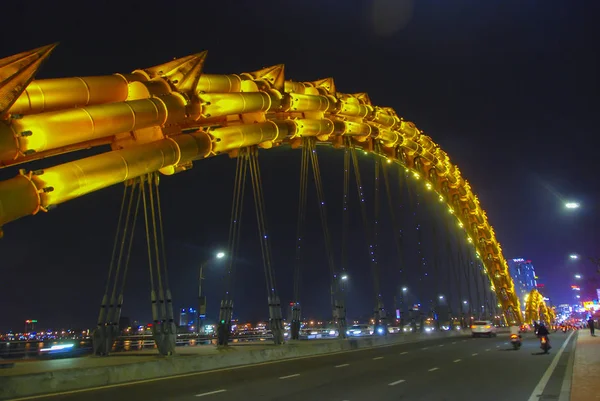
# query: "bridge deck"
26,367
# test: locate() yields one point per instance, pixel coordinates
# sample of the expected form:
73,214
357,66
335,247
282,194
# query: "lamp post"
202,298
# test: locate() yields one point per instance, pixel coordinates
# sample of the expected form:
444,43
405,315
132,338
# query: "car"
481,328
360,330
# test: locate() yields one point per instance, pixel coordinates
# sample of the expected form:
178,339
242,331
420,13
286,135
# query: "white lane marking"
453,342
464,341
210,393
497,346
539,389
432,369
377,357
488,349
424,348
475,354
441,345
289,376
396,382
404,353
457,360
342,365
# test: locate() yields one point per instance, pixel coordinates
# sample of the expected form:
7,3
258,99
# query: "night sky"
507,87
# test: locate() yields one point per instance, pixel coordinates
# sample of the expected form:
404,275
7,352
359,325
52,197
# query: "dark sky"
508,88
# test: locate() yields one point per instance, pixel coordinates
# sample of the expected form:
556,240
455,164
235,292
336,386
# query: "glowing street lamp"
572,205
201,298
578,276
574,256
344,277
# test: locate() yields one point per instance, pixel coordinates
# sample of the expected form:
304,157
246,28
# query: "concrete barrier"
25,385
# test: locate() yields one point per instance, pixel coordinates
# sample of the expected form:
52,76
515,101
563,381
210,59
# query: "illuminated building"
523,275
187,317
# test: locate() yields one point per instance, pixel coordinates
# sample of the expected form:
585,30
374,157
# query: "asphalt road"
446,369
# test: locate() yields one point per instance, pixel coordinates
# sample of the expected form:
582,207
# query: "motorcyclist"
515,330
542,331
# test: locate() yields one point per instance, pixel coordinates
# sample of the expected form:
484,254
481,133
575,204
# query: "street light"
572,205
578,276
404,289
344,277
574,256
201,298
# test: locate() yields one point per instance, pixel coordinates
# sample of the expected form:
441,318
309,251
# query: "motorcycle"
545,344
515,340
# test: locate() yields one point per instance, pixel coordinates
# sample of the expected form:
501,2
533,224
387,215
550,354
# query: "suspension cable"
451,269
161,230
414,202
436,269
161,293
395,225
483,288
148,246
363,209
260,216
123,241
345,210
116,241
235,222
323,213
376,214
467,276
130,245
300,228
473,277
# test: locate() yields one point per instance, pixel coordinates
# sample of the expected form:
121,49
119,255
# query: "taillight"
473,326
514,336
543,340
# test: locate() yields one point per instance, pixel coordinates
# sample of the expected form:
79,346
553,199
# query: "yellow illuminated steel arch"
536,308
165,117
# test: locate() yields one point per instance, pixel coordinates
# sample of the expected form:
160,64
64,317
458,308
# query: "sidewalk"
585,385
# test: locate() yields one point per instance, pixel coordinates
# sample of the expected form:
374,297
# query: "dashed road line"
396,382
424,348
488,349
432,369
475,354
377,358
453,342
441,345
404,353
457,360
210,393
289,376
342,365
